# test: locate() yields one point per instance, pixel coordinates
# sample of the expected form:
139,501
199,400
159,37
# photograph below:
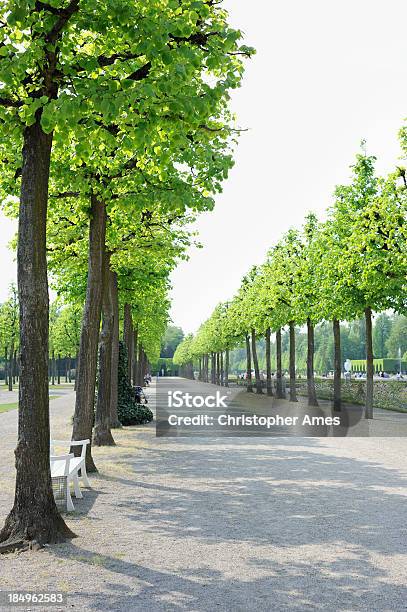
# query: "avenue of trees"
343,269
389,341
115,132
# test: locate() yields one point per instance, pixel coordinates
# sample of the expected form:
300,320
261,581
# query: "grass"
13,406
7,407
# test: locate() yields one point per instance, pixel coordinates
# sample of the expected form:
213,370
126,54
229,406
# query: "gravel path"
232,524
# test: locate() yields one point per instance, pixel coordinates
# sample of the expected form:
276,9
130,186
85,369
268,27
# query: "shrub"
129,412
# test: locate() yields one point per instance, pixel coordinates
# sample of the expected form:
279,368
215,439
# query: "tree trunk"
312,394
222,371
280,393
10,367
259,390
15,366
369,365
88,350
59,369
75,386
114,419
249,365
34,516
226,380
143,367
128,339
269,385
6,366
135,350
102,435
140,366
53,368
218,369
293,391
337,365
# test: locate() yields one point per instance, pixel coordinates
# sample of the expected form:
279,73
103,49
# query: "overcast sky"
326,75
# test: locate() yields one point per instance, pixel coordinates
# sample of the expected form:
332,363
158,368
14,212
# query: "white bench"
60,468
75,464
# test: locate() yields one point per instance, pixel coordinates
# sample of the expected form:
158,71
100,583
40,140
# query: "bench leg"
77,488
84,477
69,504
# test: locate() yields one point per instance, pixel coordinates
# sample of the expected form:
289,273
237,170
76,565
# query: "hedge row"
389,395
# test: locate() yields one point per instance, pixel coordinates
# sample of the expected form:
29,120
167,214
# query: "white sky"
326,75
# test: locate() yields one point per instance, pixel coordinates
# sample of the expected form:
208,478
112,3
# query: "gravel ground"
232,524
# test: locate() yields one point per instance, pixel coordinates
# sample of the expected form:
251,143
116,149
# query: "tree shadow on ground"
290,584
322,497
314,523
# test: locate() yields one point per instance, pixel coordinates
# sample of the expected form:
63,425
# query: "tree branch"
11,103
64,17
66,194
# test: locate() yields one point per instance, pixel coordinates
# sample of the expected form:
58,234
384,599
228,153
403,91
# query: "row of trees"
9,337
389,341
115,133
352,264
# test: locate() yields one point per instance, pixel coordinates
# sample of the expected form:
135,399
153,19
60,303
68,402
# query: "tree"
9,326
381,332
173,336
63,72
397,340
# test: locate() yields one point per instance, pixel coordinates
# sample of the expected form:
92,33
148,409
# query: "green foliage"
381,332
129,412
355,260
388,395
9,320
172,338
183,353
397,340
139,116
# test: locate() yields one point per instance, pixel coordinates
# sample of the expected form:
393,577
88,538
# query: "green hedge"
389,395
129,412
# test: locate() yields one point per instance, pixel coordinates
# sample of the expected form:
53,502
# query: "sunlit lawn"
13,406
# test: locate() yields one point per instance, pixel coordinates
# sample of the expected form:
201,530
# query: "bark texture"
102,435
88,350
135,351
128,339
114,397
34,517
140,380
